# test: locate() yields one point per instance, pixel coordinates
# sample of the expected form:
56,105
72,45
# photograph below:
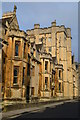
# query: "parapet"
36,26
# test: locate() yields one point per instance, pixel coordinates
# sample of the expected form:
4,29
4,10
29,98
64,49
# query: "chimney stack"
53,24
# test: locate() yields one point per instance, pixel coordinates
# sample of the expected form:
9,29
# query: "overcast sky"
44,13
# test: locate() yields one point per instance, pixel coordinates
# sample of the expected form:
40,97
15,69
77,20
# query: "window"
72,59
24,50
46,65
46,83
50,49
23,75
5,31
59,87
49,39
76,67
16,71
50,83
32,91
3,60
16,48
28,69
59,74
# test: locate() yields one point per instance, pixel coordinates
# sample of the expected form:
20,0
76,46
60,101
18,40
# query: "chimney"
36,26
53,24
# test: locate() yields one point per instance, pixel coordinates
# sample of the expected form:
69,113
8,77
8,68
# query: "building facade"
37,64
57,42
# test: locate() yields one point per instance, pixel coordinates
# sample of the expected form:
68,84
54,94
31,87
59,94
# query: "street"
66,110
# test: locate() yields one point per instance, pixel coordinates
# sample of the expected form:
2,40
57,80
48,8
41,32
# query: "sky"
30,13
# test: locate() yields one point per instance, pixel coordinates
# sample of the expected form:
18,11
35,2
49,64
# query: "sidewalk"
8,114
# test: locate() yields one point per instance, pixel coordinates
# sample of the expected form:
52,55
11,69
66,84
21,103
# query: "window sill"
15,86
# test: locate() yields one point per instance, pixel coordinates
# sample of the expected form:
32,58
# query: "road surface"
66,110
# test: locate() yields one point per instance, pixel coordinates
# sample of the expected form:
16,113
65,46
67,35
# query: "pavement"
6,115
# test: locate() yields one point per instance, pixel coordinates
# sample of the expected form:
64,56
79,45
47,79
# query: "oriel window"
16,72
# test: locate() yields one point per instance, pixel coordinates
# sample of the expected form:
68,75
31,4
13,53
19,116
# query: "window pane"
46,65
15,74
60,87
46,82
16,49
23,74
59,74
28,69
24,49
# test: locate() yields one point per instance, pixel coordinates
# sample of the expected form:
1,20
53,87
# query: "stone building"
79,78
75,75
15,60
37,63
57,42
